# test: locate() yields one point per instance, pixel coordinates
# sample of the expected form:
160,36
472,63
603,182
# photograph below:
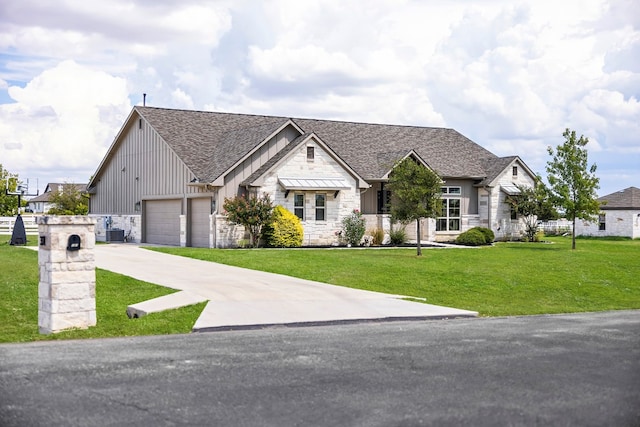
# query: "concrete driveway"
241,299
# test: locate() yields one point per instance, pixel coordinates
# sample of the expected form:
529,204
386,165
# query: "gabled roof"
252,180
496,166
628,198
52,187
370,148
212,144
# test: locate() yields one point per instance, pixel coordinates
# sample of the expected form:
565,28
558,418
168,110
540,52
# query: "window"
384,201
602,224
321,207
513,212
515,171
449,219
310,154
298,206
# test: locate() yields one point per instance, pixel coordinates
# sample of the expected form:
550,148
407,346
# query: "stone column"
67,288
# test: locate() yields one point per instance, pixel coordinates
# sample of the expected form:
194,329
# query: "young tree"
8,184
415,194
253,213
69,200
531,204
572,183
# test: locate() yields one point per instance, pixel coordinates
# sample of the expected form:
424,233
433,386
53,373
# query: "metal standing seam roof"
210,143
313,183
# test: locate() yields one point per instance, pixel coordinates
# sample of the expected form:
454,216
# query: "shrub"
378,236
398,236
354,227
489,237
285,229
471,238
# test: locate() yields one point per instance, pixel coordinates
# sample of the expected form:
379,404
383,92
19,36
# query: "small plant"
472,237
398,236
354,227
378,236
285,229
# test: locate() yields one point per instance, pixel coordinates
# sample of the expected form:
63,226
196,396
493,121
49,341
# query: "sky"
509,75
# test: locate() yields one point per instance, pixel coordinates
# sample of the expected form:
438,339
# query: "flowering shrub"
285,229
353,227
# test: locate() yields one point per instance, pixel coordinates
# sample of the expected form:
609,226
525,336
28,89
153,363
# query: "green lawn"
114,292
505,279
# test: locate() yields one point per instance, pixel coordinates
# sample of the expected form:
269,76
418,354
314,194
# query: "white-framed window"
450,216
602,222
311,154
514,170
298,205
321,207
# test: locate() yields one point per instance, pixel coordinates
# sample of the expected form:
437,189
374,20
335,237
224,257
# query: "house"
620,216
166,175
41,203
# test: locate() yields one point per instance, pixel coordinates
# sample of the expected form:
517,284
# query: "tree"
415,194
572,183
532,203
69,199
253,213
8,184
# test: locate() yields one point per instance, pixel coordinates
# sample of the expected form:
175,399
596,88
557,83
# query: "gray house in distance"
166,176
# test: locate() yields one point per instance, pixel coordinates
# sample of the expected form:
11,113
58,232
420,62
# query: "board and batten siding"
255,161
141,167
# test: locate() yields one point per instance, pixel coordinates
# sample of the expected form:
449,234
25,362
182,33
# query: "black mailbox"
73,244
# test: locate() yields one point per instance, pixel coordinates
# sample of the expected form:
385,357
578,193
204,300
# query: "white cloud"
63,119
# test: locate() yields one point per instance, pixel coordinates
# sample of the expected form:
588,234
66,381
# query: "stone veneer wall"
67,287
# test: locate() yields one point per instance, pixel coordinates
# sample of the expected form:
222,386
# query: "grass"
114,292
506,279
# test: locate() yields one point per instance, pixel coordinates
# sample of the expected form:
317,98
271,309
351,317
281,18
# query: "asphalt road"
581,370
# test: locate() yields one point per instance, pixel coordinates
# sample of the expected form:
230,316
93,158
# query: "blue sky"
510,75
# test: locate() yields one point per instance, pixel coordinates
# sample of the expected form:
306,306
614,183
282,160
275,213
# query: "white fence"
556,227
7,223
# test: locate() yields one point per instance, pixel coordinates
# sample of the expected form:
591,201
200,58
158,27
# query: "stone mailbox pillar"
67,288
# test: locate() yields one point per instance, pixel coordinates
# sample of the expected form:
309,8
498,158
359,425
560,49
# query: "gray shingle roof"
628,198
495,166
210,143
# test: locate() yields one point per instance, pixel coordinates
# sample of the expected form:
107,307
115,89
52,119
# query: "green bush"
471,238
354,226
398,236
489,237
284,230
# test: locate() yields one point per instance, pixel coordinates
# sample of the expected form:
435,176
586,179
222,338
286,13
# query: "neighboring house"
41,203
620,216
166,176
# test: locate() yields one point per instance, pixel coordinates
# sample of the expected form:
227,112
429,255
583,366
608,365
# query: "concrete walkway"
240,298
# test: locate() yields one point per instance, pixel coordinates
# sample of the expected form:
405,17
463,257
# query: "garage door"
199,229
162,221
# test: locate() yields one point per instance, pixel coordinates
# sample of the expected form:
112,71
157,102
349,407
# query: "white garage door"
199,229
162,221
